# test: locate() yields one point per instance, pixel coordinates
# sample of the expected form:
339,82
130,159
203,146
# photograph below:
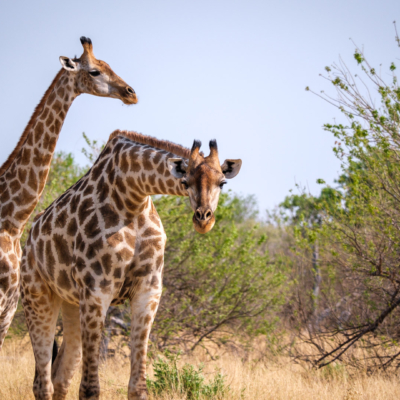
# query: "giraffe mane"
24,136
166,145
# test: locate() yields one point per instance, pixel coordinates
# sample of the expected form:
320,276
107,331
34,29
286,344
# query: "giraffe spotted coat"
101,243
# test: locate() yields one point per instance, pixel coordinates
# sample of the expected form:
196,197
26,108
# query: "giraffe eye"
185,185
221,185
94,73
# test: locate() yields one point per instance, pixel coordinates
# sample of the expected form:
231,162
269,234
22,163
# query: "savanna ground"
274,379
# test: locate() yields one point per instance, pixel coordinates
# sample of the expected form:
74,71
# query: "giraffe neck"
128,173
24,174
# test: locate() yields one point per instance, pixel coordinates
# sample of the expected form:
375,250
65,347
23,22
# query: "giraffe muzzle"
203,219
130,96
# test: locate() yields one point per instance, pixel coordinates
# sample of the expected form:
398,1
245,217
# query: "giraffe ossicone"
101,243
24,173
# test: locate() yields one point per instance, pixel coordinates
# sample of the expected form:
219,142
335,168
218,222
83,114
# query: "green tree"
215,285
359,236
305,214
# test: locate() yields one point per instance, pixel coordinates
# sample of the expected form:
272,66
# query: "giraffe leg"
144,306
7,314
93,308
41,311
70,353
9,282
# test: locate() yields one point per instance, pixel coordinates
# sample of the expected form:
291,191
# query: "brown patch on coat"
14,186
5,244
49,119
92,228
32,182
98,169
102,190
161,186
124,163
151,232
57,107
106,260
141,221
26,156
115,239
96,268
144,270
61,219
124,255
72,227
24,198
159,262
50,261
130,239
62,249
85,209
110,216
156,243
63,280
22,174
117,200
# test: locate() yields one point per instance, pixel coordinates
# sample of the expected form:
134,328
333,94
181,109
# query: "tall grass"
273,380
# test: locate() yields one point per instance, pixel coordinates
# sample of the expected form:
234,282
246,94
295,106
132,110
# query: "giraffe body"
102,243
24,174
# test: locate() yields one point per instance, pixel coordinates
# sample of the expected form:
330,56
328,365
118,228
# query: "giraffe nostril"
198,215
130,90
208,215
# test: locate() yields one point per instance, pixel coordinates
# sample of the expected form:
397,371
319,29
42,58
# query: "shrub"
188,380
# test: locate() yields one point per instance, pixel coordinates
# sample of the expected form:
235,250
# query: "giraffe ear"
68,64
230,168
177,167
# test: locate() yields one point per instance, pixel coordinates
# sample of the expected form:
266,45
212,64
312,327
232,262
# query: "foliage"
214,284
187,380
94,148
306,210
358,233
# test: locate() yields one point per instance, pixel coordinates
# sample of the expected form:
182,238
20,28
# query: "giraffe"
101,243
24,173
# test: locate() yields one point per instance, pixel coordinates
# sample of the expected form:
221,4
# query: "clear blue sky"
230,70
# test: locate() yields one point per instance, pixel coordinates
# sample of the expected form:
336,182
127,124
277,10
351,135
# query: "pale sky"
231,70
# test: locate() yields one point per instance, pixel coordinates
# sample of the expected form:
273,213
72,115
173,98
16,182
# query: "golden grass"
274,380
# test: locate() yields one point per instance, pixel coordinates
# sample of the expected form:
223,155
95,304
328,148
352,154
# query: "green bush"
187,380
218,284
356,228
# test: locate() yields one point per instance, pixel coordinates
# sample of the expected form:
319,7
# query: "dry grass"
271,381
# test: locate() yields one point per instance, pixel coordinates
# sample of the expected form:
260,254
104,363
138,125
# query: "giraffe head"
203,178
96,77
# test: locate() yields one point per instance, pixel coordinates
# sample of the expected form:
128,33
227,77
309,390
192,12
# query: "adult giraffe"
23,175
102,242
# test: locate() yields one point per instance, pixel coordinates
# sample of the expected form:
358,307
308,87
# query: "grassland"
273,380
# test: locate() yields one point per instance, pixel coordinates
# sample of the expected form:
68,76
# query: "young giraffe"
23,175
102,242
